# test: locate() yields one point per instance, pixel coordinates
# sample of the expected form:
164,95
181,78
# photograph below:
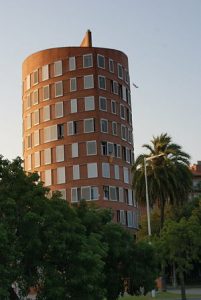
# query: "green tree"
168,175
179,244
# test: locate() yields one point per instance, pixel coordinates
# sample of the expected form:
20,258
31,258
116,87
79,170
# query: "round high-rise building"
77,125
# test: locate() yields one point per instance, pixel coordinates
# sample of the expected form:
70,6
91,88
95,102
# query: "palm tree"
168,175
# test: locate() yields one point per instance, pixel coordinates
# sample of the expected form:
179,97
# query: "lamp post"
147,193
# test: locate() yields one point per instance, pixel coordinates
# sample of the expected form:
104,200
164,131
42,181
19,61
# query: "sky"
162,39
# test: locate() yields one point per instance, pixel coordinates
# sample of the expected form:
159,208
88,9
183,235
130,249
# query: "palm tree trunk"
162,214
183,290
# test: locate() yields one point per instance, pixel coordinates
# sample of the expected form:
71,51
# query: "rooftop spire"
87,40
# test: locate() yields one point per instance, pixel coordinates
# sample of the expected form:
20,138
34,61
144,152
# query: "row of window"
88,83
89,104
33,79
78,171
107,149
128,218
111,193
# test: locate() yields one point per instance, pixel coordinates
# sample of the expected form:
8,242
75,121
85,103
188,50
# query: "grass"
161,296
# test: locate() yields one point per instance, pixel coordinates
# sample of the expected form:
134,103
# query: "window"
87,61
73,105
123,132
37,159
36,138
28,101
104,148
86,193
114,128
60,131
48,177
104,126
101,61
122,111
29,141
124,95
76,172
119,151
29,164
126,76
35,97
128,155
89,125
72,63
36,117
113,107
46,92
61,177
91,148
130,197
75,194
102,82
110,149
46,113
35,77
47,156
120,71
63,193
113,193
59,110
130,218
50,133
45,72
126,177
115,87
116,172
121,194
71,127
89,103
57,68
111,65
124,153
90,192
122,217
92,170
106,170
58,88
59,153
73,84
74,149
88,82
28,82
106,192
103,103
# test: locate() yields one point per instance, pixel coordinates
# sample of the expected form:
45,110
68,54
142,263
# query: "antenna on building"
87,40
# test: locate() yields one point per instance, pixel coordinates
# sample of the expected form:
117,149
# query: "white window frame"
48,92
45,72
47,156
46,113
71,125
99,82
87,147
37,159
105,99
114,128
74,150
59,112
105,170
115,105
36,138
93,125
101,121
61,175
59,153
48,177
35,97
57,84
73,84
73,106
116,172
111,61
76,172
36,117
118,70
98,62
92,170
57,68
91,104
91,57
126,175
88,82
72,63
35,77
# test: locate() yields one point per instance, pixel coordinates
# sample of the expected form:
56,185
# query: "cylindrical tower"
77,125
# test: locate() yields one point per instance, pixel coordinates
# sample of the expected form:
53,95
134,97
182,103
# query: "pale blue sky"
162,39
